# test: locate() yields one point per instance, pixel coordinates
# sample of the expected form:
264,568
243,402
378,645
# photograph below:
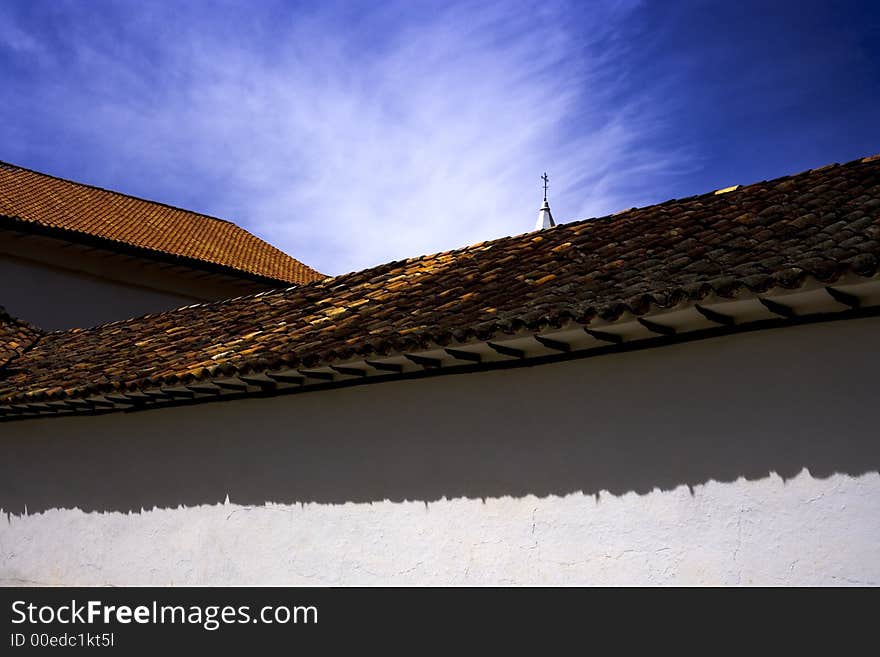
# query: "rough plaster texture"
750,459
803,531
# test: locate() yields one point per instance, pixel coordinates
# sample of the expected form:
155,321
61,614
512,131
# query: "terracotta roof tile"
16,337
822,223
35,200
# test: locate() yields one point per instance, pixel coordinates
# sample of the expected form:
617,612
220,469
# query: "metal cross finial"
546,180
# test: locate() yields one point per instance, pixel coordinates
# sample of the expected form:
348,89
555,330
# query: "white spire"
545,217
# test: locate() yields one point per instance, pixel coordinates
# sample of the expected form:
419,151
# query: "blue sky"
354,133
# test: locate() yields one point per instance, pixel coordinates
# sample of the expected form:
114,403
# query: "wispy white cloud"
353,138
18,40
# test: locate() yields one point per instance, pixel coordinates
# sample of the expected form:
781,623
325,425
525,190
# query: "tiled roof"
15,337
36,201
822,225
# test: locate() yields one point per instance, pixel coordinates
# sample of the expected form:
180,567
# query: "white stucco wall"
54,298
751,459
55,286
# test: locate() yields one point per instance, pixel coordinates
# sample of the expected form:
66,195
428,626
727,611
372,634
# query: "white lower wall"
804,531
751,459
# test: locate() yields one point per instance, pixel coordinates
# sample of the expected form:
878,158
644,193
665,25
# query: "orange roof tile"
35,200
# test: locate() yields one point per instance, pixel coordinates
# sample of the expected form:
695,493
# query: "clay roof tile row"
34,201
822,223
16,337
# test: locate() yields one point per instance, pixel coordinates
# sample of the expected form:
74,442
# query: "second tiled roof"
36,200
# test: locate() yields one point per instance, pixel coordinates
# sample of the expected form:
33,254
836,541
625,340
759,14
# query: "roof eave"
850,297
85,239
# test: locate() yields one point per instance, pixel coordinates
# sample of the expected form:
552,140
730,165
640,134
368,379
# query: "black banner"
124,620
139,620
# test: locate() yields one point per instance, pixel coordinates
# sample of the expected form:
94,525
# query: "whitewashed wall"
751,459
55,287
55,298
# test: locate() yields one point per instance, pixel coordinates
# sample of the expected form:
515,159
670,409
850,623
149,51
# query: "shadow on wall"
740,406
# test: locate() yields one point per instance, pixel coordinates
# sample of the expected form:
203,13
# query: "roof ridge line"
4,163
806,172
617,214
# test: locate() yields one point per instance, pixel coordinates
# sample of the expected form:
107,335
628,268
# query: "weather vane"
546,180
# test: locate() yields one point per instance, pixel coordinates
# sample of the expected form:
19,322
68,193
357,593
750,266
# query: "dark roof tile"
16,337
658,255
